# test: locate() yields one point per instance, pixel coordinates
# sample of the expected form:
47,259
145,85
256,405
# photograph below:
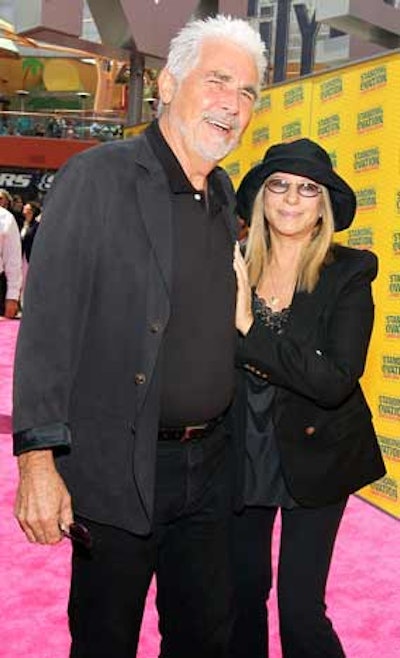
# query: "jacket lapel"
306,308
227,195
155,209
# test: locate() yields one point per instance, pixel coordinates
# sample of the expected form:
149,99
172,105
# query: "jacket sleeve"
57,299
326,367
52,436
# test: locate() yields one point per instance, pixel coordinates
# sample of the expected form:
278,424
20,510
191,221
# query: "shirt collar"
177,179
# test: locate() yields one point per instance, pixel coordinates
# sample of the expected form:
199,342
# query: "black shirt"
198,350
264,484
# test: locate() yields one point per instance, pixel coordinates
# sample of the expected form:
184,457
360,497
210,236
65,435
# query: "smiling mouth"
290,215
224,127
219,124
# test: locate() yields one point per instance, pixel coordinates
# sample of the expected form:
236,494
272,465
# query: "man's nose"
230,100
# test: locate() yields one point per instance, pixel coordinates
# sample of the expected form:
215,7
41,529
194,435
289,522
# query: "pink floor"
363,593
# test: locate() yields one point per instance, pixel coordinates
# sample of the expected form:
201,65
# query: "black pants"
3,291
307,541
188,552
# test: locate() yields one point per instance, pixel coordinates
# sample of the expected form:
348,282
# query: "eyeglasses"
281,186
78,533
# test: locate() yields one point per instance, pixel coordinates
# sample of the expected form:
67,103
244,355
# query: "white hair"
184,50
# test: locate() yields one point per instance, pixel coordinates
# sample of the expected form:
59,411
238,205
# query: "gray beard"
211,155
217,153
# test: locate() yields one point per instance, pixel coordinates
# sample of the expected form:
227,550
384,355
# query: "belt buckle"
189,431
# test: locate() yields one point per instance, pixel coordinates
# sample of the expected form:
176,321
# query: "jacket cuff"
39,438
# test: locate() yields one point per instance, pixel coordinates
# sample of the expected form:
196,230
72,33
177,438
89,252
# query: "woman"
31,213
303,428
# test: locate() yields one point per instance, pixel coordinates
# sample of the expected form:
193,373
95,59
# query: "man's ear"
166,86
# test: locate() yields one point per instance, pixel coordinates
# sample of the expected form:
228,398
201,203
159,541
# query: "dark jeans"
188,551
307,541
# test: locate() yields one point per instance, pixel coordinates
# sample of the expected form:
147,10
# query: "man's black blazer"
326,440
98,294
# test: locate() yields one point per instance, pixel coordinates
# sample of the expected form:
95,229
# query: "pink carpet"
363,593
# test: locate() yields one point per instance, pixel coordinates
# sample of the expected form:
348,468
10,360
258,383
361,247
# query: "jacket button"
310,430
155,327
140,378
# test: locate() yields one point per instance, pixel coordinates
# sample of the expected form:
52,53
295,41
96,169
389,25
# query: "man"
124,364
10,264
16,209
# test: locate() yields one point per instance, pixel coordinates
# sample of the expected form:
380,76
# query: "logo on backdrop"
291,130
328,126
263,104
373,78
360,237
386,487
396,243
390,366
331,89
394,285
366,159
366,198
370,119
233,169
389,407
260,136
293,97
392,326
390,448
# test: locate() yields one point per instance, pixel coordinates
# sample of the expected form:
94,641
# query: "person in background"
5,200
31,212
125,360
16,209
304,434
10,264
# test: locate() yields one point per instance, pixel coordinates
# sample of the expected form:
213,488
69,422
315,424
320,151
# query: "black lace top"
264,480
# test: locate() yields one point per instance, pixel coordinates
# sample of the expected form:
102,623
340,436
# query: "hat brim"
342,197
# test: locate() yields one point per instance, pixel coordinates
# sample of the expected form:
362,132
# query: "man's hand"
43,503
10,308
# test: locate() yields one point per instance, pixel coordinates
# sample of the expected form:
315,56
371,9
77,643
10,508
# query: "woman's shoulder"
350,260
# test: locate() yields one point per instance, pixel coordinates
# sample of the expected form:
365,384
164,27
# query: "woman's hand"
244,315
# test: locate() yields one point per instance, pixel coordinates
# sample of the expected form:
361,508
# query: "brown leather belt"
190,432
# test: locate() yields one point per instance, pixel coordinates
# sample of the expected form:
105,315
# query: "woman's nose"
292,194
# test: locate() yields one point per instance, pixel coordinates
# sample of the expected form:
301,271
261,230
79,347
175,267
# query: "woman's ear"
166,86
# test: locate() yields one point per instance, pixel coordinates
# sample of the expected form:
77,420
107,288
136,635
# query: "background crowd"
19,222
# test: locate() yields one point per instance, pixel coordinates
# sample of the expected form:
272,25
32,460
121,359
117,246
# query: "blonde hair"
6,195
315,254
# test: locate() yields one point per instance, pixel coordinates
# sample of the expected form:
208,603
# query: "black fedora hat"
304,158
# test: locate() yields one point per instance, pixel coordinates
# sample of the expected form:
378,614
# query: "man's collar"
178,181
